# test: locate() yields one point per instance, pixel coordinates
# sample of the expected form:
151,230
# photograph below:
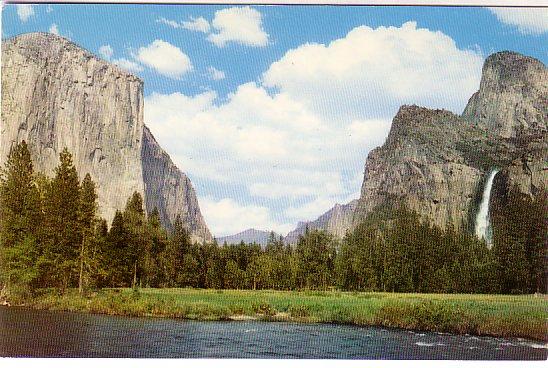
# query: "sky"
272,110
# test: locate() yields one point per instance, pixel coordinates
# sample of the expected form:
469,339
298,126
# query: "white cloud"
197,24
296,149
194,24
241,25
24,11
168,22
527,20
370,72
54,29
228,217
128,65
215,73
106,51
165,58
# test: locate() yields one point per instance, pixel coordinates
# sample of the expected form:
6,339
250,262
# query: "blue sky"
271,110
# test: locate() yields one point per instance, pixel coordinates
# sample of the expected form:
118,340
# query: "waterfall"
483,224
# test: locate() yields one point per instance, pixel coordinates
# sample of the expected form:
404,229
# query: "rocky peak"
436,162
336,221
513,96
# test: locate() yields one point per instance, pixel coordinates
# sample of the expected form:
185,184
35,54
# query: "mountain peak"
511,100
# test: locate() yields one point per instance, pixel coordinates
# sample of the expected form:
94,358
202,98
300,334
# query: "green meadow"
493,315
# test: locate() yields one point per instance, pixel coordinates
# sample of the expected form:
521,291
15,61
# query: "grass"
494,315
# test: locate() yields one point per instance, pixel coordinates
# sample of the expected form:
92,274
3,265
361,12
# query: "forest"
52,237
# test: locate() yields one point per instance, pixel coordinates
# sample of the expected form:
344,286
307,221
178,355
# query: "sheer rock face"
170,190
56,94
336,221
436,162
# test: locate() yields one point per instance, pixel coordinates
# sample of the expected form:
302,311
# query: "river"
36,333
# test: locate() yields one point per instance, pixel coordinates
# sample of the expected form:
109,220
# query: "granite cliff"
336,221
55,94
169,190
436,162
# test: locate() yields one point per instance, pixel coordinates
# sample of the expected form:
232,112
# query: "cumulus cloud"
371,72
197,24
128,65
527,20
287,142
228,217
24,12
54,29
215,73
165,58
241,25
106,51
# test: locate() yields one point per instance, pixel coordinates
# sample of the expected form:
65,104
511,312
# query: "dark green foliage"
315,254
399,252
87,219
519,243
62,231
52,237
20,220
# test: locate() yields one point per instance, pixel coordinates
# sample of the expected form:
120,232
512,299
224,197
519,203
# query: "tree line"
52,236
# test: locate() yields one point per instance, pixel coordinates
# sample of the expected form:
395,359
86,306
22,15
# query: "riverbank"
490,315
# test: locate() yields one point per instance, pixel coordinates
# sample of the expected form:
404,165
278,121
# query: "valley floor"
494,315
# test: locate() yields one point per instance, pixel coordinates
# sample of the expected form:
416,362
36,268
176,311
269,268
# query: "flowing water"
34,333
483,223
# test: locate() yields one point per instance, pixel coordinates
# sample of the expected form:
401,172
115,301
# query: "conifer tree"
135,222
62,224
87,218
20,219
119,260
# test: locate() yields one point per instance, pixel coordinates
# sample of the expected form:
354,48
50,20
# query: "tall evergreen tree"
87,218
135,222
20,219
119,260
62,224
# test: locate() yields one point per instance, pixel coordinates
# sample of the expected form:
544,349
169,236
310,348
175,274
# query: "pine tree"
135,222
62,225
20,207
117,254
20,218
177,247
154,263
87,218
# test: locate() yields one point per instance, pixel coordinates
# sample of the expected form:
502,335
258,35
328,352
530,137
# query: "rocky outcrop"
436,162
513,96
336,221
55,94
170,190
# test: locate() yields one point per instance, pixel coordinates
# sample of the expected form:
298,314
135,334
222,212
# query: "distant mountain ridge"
336,221
248,236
